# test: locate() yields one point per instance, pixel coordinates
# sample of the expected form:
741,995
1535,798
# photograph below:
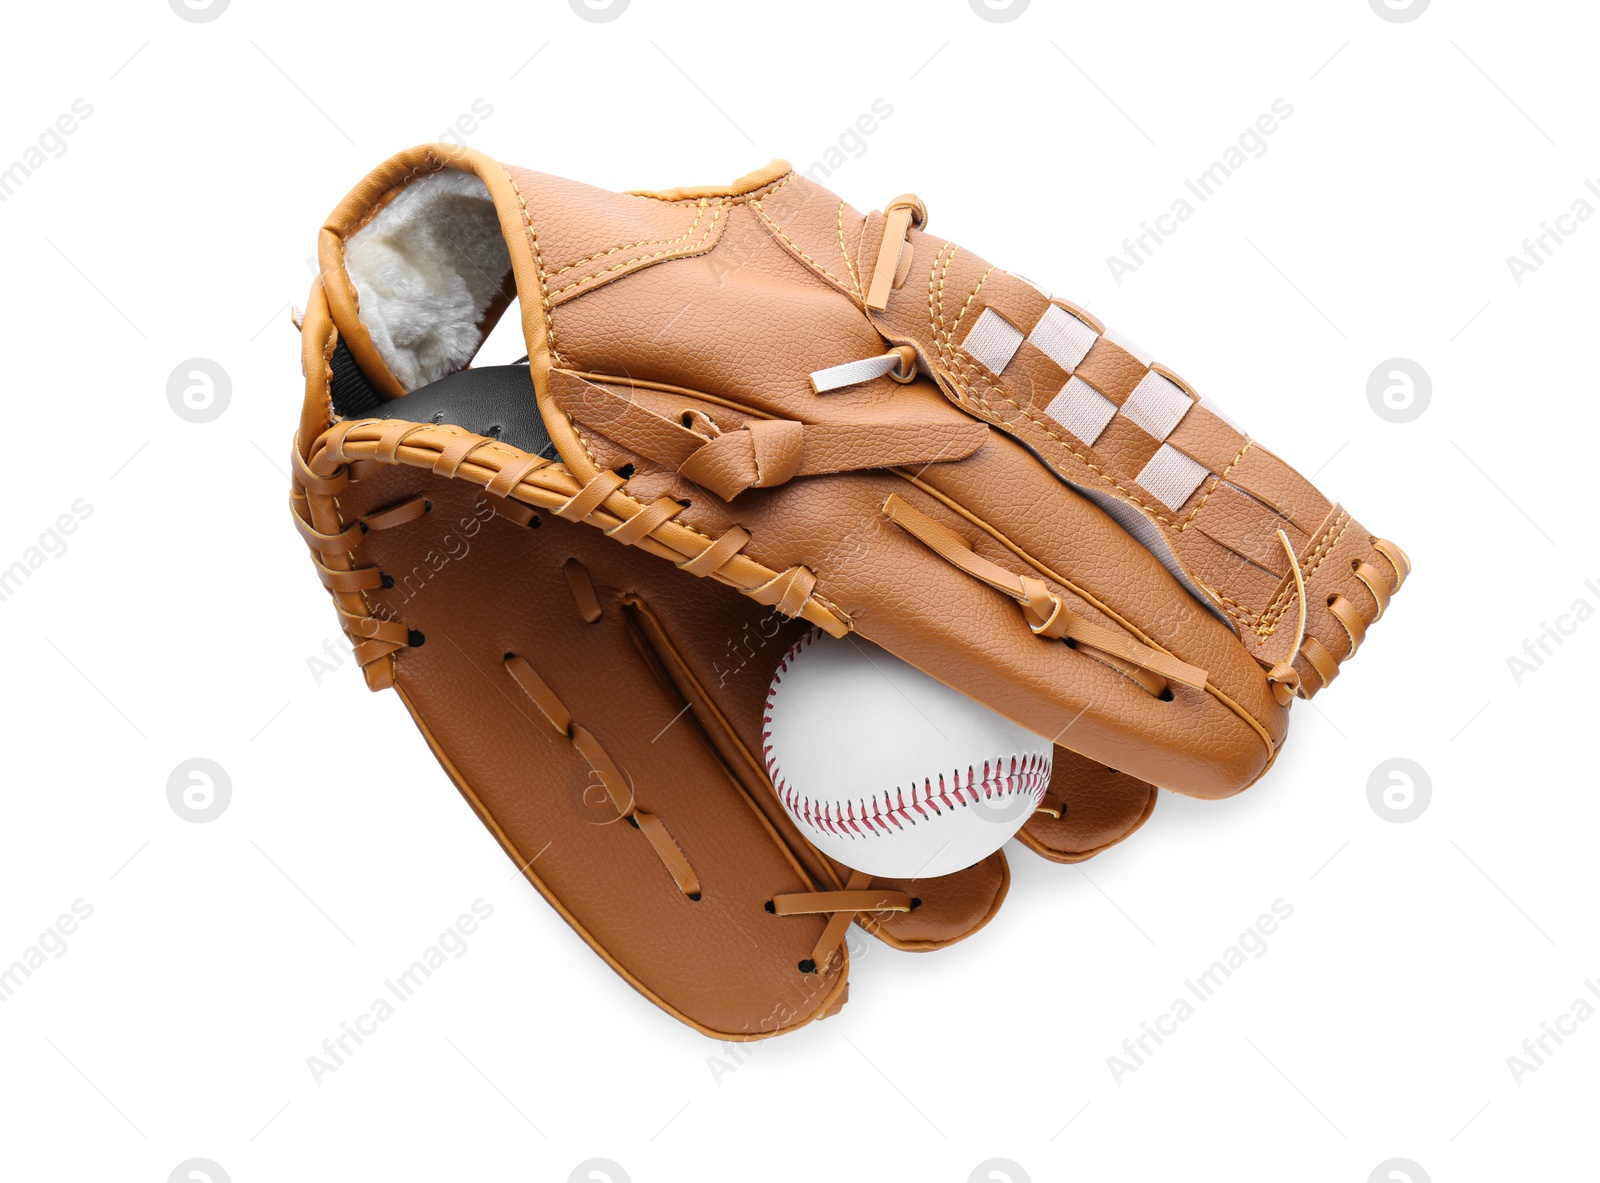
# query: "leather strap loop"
505,482
1044,611
389,442
358,580
776,446
328,486
716,553
808,903
455,454
329,544
370,628
647,519
605,768
1377,584
1345,613
1324,665
583,594
786,591
588,498
903,213
1398,559
543,697
395,515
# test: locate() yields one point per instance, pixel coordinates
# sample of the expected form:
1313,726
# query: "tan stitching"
1232,607
749,198
375,208
626,263
1232,464
972,375
844,253
538,260
790,243
983,279
968,377
1280,603
704,202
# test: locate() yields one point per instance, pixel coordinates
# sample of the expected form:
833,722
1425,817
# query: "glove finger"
1099,808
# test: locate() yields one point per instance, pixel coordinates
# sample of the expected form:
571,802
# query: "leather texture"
492,401
699,501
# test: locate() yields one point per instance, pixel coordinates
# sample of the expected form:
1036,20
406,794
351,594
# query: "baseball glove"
830,420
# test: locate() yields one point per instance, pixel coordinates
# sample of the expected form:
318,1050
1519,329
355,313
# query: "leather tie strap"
903,213
806,903
841,907
605,768
762,453
1047,615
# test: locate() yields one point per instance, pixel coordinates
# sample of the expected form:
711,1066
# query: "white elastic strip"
852,373
1116,338
993,340
1171,476
1062,337
1211,405
1149,536
1157,405
1032,285
1082,410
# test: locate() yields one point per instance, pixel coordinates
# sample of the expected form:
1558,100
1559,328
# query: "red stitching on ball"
1028,776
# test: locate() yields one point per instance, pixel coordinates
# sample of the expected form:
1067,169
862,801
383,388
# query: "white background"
180,620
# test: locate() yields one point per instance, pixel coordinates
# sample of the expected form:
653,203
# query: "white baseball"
890,771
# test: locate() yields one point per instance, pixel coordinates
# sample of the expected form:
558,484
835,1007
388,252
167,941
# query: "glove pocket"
523,677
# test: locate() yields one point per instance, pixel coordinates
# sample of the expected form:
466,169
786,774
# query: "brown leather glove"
855,425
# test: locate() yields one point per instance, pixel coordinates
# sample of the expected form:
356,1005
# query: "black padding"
496,401
353,396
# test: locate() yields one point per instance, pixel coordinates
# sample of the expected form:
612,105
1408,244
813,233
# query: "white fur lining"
426,270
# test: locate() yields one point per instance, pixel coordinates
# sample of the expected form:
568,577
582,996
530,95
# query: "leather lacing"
517,486
841,906
1045,612
373,638
1288,678
511,481
1323,664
